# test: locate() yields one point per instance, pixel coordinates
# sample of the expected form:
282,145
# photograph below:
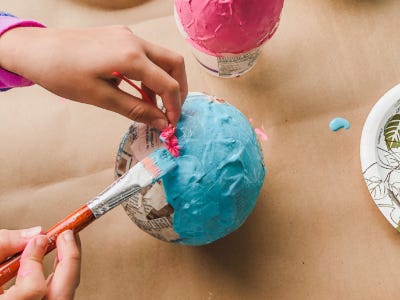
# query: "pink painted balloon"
228,26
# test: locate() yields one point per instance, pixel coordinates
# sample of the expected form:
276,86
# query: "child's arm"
78,64
8,79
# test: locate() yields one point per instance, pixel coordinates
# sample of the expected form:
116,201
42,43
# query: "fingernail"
41,241
160,123
68,235
31,232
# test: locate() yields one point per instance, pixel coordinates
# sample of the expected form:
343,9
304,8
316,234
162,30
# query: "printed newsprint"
149,209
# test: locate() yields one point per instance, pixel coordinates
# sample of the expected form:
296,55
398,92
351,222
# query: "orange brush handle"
76,221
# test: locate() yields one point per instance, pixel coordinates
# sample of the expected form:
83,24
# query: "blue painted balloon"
219,173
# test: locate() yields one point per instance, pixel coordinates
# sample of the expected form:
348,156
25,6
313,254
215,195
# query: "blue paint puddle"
338,123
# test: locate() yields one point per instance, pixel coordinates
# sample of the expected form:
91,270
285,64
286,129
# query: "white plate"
380,155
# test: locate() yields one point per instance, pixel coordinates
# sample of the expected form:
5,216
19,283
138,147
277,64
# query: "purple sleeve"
8,79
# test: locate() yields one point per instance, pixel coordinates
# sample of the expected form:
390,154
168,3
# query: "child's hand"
31,282
78,63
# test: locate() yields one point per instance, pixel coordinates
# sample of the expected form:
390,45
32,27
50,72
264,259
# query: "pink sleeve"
9,79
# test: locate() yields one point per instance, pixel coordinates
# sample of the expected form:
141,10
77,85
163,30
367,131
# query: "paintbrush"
144,173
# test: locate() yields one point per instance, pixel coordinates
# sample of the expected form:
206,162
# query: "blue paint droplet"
338,123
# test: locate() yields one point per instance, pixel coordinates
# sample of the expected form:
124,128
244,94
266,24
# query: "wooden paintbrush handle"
76,221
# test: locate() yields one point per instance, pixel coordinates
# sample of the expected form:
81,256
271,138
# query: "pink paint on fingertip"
167,135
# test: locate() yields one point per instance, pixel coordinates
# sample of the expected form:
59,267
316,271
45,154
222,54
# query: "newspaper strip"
149,209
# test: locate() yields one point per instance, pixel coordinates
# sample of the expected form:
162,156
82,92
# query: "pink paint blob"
260,131
170,140
261,134
228,26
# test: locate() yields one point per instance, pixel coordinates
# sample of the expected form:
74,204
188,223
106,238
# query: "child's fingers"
159,81
30,283
14,241
170,62
67,274
149,93
114,99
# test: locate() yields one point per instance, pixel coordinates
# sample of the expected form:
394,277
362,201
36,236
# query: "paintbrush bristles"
141,175
151,167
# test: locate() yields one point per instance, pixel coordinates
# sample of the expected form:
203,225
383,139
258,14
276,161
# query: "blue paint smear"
338,123
163,161
219,172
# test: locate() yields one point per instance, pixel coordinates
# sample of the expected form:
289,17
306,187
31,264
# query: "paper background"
315,232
